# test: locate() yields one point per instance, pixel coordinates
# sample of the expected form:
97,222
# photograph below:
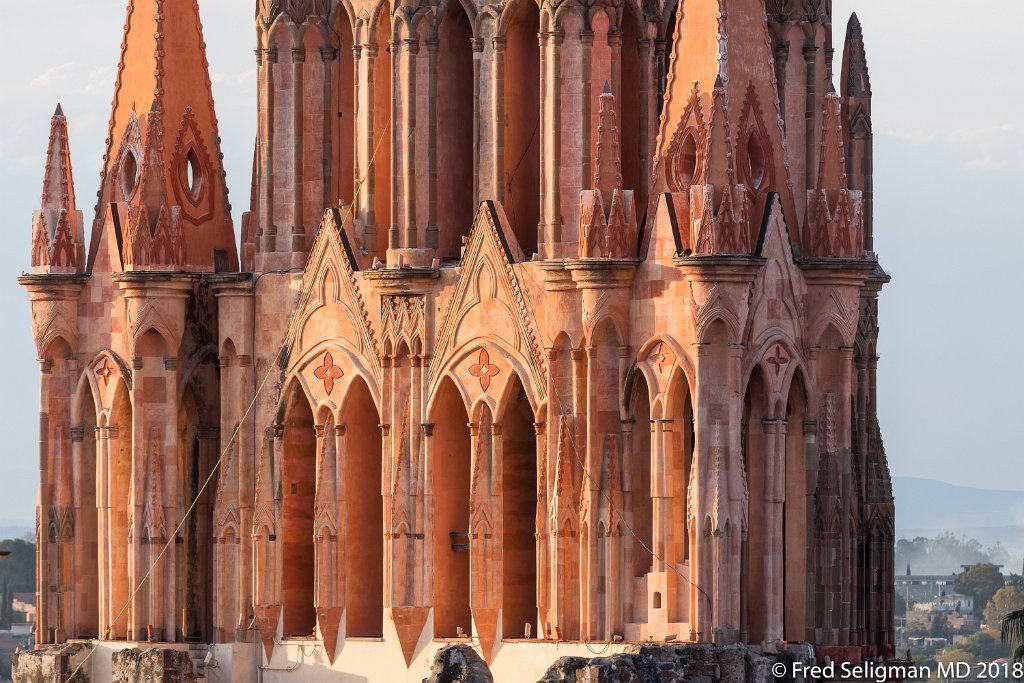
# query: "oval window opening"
130,174
193,175
686,165
755,163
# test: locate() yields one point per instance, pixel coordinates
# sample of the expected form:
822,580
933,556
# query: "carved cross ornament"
104,371
484,370
778,359
329,373
662,357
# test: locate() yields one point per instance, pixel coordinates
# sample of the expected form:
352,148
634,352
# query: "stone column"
267,226
43,619
587,43
498,118
298,238
327,56
367,193
847,567
772,527
811,114
432,170
394,232
543,39
102,530
411,48
553,176
478,52
647,120
810,434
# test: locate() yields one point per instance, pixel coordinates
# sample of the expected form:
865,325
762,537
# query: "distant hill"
925,507
14,528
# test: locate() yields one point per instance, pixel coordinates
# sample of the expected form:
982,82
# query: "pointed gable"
489,295
332,302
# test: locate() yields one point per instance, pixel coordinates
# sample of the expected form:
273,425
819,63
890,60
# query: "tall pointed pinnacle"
607,218
175,146
57,236
608,169
721,134
835,213
856,98
856,78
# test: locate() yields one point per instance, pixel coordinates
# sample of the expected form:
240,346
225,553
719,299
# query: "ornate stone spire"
607,219
721,138
856,103
167,162
835,214
57,237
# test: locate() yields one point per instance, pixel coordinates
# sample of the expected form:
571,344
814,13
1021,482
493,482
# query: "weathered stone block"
458,664
152,666
50,665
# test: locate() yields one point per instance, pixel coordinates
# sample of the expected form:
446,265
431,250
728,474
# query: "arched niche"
519,514
451,468
298,492
364,512
454,126
521,161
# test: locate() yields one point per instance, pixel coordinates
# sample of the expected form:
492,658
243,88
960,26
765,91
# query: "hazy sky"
949,158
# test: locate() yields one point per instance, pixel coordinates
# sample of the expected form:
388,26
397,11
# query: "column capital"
298,55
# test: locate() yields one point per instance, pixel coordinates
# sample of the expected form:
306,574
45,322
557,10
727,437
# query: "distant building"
948,604
925,587
25,604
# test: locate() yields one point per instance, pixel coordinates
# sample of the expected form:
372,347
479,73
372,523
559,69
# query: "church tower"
127,336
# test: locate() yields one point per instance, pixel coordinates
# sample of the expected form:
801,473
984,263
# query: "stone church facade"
550,328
